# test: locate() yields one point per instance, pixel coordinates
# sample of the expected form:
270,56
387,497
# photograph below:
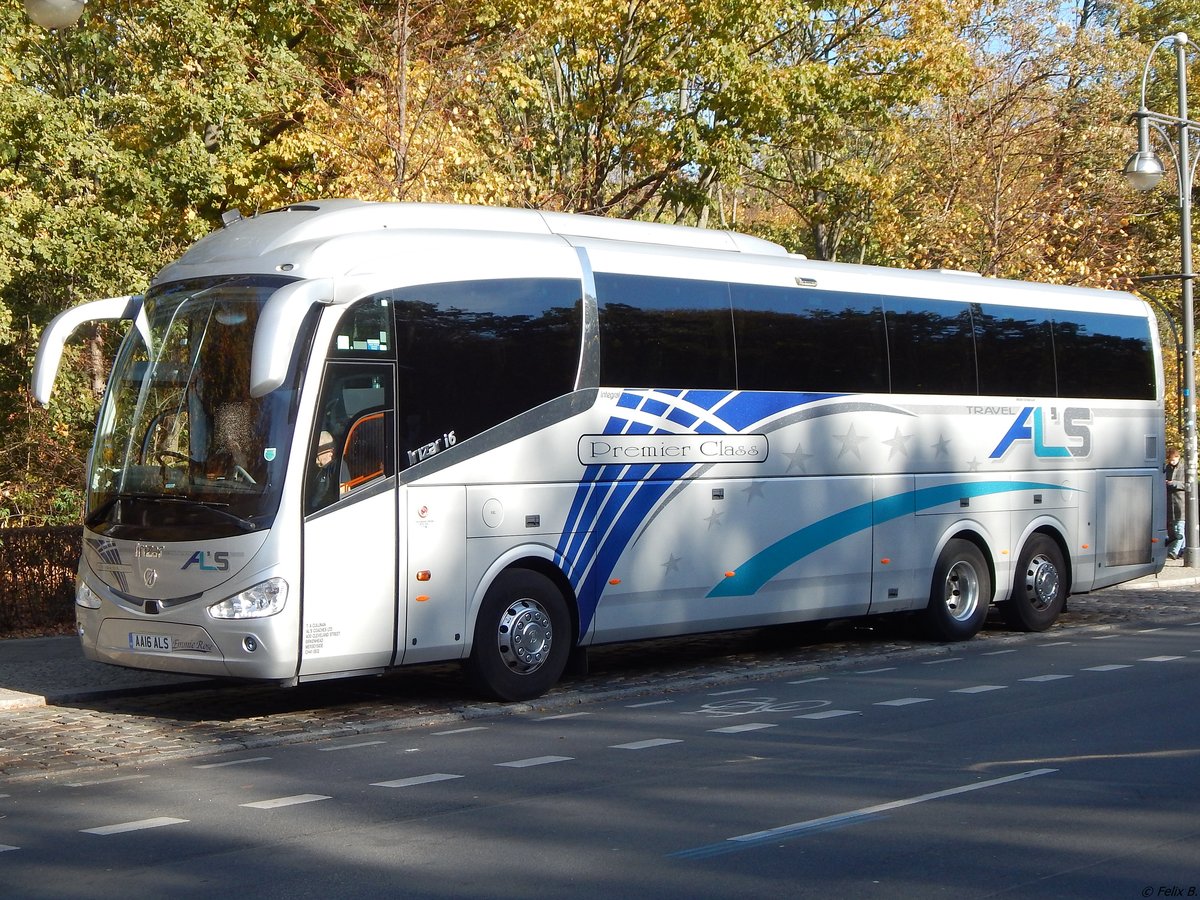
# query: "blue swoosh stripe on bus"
762,567
612,502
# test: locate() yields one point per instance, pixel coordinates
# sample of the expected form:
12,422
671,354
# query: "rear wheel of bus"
960,593
522,637
1039,586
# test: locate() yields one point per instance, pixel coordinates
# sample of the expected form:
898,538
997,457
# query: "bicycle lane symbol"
745,706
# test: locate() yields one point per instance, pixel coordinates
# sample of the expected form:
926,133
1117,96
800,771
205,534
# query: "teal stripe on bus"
755,572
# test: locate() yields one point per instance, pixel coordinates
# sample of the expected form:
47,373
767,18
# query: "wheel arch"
538,559
1054,531
968,531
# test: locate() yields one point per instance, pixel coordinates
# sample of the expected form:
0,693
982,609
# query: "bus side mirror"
54,338
278,325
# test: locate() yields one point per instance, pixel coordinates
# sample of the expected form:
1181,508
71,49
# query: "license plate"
153,643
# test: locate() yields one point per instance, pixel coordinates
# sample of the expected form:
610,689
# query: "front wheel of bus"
961,591
1039,587
522,637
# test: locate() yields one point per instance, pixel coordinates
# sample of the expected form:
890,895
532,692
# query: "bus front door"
350,587
350,527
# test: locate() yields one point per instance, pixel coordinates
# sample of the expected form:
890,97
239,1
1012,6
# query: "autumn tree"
122,141
1017,173
827,183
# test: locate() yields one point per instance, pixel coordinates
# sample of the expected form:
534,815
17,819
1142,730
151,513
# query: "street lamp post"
54,13
1143,171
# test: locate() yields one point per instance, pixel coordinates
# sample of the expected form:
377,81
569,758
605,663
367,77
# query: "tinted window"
474,354
1015,351
664,332
1104,356
792,339
930,346
365,330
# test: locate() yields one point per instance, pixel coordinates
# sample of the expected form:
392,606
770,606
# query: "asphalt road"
1062,764
106,731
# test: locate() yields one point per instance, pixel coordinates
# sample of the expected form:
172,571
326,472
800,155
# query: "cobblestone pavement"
205,718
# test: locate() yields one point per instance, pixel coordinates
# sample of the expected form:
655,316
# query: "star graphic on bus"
851,441
797,459
899,443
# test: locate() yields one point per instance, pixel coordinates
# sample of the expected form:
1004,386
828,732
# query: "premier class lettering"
602,449
599,449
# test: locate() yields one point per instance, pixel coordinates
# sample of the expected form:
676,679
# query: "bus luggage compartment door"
436,581
350,587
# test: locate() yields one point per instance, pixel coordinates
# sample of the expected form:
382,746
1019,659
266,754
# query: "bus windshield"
182,449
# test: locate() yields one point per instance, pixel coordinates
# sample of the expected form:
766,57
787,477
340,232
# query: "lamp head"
54,13
1144,170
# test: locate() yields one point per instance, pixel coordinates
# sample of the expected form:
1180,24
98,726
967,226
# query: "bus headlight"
85,596
262,600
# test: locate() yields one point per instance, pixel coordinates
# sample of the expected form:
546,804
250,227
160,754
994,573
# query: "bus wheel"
1039,587
961,591
522,637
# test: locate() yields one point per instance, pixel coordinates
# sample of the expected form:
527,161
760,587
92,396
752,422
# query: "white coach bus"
341,437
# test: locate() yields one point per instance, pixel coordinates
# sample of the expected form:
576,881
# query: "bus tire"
1039,587
522,637
960,593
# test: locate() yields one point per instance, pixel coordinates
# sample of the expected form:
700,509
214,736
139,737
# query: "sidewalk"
48,671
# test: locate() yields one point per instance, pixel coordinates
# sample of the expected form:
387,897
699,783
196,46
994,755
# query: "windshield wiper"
212,506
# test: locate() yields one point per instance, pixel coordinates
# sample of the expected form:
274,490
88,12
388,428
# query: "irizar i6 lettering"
342,437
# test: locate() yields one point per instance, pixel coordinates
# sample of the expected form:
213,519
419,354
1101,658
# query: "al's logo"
208,561
1030,425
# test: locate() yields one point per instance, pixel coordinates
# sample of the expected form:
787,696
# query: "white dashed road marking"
645,745
980,689
139,825
904,701
233,762
294,800
415,780
830,714
738,729
535,761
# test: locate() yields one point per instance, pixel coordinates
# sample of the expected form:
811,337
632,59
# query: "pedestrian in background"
1175,503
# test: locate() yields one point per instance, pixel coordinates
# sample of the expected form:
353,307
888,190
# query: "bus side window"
353,442
473,354
665,332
